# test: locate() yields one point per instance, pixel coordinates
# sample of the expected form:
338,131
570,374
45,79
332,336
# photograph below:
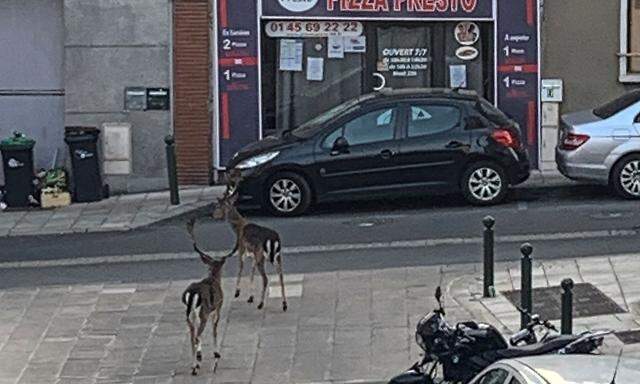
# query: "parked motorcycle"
469,347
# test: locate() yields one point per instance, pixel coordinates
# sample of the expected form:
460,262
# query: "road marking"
523,206
83,261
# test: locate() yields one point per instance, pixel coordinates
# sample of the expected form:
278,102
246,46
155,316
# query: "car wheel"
484,183
287,194
626,177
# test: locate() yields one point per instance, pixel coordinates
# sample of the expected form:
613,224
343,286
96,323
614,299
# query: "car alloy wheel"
485,184
630,178
285,195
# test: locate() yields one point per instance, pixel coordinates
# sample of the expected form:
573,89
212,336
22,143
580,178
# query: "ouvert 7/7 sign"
405,9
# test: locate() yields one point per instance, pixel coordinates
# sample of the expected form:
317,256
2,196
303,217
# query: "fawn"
203,299
261,242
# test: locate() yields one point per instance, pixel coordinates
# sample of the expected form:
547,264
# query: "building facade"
219,74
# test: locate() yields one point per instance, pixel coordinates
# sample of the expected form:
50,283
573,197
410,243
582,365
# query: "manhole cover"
587,301
629,337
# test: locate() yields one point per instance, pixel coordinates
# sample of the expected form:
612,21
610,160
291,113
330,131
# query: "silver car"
566,369
603,145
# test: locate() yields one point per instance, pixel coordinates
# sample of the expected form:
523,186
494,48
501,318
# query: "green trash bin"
17,161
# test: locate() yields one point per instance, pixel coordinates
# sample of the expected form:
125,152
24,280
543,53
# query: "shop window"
431,119
630,41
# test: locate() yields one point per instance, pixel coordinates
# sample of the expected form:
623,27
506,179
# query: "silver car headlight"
254,161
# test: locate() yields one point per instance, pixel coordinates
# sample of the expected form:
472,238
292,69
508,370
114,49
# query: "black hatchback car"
401,142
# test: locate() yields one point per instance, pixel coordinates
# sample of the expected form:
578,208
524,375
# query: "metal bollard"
172,169
567,307
526,290
488,291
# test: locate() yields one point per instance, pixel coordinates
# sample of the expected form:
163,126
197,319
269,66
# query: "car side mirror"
474,122
341,145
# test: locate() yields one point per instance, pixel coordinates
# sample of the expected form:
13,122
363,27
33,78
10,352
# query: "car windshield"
310,128
492,113
611,108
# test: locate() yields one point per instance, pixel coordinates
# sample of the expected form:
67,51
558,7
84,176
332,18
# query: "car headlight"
257,160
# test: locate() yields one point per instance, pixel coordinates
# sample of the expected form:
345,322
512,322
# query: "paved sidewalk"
118,213
340,327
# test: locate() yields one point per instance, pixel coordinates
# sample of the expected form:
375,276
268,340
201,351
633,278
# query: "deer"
203,300
251,239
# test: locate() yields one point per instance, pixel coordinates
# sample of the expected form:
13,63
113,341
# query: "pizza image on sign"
298,5
467,33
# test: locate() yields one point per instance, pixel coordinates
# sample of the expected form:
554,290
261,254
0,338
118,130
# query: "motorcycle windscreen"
411,377
405,57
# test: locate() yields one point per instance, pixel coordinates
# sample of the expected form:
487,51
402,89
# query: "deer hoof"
194,371
216,355
250,299
237,293
260,305
284,306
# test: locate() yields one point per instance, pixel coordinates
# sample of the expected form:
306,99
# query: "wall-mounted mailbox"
135,98
158,99
551,91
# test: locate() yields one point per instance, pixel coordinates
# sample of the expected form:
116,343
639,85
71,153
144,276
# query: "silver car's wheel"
485,184
630,178
285,195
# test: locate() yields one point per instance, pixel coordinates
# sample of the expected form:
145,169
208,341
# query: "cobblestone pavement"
354,326
118,213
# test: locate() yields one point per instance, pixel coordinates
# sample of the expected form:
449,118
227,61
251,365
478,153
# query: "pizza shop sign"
431,6
379,8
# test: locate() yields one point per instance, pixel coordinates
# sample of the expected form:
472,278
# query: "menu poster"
291,55
355,44
335,47
458,76
315,69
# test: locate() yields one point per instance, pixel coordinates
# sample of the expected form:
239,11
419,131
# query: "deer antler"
205,258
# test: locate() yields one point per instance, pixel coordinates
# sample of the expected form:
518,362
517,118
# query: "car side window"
494,376
329,140
372,127
428,119
637,120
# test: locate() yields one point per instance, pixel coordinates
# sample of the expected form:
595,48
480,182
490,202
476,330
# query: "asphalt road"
559,222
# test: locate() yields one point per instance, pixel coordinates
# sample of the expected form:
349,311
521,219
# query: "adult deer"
251,239
203,299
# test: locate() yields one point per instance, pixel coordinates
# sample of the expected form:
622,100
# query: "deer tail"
272,249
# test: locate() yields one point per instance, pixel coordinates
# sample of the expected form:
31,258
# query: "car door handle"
387,154
455,145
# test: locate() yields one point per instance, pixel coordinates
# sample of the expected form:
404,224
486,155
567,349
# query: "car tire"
625,177
484,183
287,194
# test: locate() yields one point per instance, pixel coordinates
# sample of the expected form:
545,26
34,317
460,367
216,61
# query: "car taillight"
572,141
506,138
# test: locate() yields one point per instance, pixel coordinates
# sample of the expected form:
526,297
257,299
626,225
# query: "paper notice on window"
355,44
335,47
315,69
458,76
291,55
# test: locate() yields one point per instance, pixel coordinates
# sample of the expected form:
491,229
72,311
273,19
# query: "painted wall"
31,75
580,40
109,45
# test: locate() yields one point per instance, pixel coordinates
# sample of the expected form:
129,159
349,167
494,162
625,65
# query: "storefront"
282,62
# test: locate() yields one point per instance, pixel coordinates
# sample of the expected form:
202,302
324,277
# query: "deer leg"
214,324
265,281
240,267
251,284
201,326
279,270
192,339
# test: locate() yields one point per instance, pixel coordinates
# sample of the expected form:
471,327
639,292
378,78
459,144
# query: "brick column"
191,84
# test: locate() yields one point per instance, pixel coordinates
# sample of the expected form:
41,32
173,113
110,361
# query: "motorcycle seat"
530,350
